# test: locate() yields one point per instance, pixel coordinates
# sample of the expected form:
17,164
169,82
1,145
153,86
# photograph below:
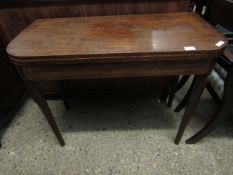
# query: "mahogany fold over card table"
168,44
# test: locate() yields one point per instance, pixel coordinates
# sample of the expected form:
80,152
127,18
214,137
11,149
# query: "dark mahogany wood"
223,111
116,39
174,84
118,47
198,86
186,98
15,15
181,82
218,12
64,97
38,97
114,70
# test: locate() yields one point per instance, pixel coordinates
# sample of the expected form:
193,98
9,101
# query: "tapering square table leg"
63,94
172,90
38,97
198,87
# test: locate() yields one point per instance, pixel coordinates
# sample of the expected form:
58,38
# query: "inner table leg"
164,95
185,100
172,90
182,82
38,97
198,87
63,95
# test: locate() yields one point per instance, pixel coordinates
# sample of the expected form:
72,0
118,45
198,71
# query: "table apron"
116,70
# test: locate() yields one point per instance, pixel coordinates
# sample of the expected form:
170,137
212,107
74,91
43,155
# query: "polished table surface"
168,44
114,38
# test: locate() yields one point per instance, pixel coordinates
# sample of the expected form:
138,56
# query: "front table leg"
38,97
198,87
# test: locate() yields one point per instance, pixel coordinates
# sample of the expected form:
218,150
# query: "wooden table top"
111,38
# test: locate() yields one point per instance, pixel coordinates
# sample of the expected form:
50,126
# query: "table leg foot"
199,83
38,97
210,126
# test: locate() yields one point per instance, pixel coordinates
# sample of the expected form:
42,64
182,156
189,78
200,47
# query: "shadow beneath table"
116,112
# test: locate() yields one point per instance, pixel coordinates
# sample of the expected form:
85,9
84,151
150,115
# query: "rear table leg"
185,100
63,95
172,90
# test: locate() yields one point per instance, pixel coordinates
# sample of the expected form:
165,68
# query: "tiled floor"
115,135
